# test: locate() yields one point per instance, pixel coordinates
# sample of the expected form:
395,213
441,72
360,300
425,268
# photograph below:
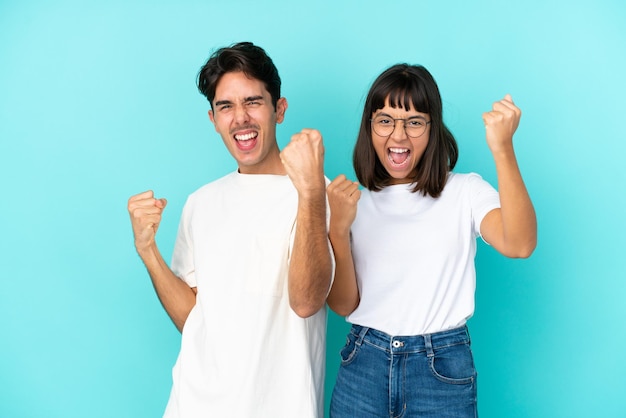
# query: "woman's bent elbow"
342,309
522,251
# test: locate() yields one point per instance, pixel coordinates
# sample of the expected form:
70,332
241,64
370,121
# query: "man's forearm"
175,295
310,268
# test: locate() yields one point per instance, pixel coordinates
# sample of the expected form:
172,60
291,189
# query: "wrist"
146,250
313,192
337,234
503,151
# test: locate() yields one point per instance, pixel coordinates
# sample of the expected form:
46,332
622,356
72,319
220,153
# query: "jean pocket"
454,364
349,350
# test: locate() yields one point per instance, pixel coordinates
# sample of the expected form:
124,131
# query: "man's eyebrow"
222,102
245,100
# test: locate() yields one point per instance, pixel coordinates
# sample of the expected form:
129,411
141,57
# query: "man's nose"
241,114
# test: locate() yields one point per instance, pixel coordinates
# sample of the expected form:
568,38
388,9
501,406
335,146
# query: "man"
252,265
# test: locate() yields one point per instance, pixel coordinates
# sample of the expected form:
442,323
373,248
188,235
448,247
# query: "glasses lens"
383,125
415,127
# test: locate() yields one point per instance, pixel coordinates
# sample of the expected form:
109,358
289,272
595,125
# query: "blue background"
98,102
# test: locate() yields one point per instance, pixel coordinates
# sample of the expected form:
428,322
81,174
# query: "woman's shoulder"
460,179
463,177
466,181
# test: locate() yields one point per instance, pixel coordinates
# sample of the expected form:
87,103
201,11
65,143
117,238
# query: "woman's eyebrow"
408,117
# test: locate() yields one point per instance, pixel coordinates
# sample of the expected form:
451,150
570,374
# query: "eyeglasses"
414,127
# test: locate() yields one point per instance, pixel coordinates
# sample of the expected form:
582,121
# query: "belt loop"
361,336
429,345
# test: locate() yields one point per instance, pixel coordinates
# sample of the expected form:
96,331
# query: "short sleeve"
483,199
182,258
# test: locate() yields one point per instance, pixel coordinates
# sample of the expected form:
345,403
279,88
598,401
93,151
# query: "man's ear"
212,117
281,108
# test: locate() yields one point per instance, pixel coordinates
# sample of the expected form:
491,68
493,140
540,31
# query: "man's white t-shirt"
244,352
414,255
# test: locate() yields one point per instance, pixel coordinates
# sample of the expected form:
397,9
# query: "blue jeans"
417,376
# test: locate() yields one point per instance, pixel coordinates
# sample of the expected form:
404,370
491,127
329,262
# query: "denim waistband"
411,343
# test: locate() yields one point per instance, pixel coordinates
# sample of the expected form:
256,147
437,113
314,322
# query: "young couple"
258,255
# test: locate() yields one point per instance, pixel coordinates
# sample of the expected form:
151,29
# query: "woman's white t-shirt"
414,255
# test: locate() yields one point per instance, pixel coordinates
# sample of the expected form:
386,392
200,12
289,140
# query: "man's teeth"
245,137
398,150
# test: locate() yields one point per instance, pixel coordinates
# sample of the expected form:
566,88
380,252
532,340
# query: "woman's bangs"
409,96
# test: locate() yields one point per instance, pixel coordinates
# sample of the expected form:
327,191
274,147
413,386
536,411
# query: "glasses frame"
403,125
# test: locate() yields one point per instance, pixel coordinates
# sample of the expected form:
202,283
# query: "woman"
405,275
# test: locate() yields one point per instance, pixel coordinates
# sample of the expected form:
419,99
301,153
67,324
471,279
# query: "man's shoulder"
212,186
207,193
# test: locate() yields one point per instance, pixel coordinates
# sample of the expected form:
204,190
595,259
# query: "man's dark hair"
405,86
252,60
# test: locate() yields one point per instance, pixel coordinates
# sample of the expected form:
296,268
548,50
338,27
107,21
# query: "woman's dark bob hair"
407,86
